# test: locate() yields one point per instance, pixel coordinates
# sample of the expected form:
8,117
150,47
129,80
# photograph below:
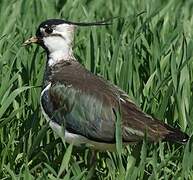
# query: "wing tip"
177,136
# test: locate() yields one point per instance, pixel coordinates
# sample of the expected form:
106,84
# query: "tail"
175,135
152,127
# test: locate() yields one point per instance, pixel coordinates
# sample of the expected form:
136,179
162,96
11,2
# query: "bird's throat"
60,55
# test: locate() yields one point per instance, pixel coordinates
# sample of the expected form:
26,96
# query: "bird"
82,107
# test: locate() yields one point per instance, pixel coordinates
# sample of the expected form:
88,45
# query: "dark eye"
49,30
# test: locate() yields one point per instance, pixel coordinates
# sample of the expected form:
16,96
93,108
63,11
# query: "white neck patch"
59,44
60,55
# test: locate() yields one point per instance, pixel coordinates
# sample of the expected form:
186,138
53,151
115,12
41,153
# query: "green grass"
148,53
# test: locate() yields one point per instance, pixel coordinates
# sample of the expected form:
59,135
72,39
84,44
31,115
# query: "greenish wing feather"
83,113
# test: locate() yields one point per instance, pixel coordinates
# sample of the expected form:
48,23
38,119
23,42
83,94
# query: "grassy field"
148,52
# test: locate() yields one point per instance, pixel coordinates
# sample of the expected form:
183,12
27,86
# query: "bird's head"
56,34
56,37
53,35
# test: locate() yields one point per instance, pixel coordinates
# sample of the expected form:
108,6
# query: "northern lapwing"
81,106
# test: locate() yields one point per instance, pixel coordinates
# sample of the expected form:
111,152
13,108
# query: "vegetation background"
148,53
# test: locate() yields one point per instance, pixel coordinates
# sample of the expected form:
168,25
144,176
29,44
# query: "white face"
60,38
